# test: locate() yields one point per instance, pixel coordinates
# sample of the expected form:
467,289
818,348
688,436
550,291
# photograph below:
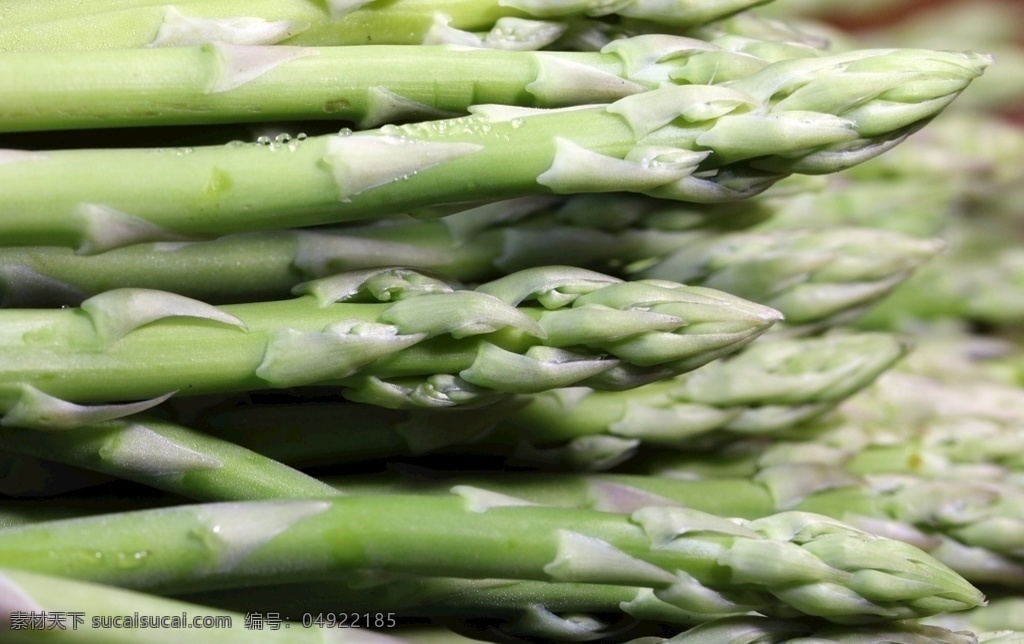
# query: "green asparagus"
785,562
555,611
394,336
60,24
697,143
169,457
82,612
860,501
472,245
767,387
970,526
812,276
368,85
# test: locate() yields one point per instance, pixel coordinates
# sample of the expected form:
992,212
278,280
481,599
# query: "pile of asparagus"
504,320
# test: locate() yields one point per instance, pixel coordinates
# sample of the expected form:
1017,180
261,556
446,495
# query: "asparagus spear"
812,276
394,336
169,457
472,245
697,143
970,525
59,24
555,611
789,561
367,85
42,607
991,26
767,387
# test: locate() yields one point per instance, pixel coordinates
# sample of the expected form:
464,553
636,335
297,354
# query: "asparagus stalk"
84,612
367,85
168,457
697,143
556,611
57,25
767,387
394,336
813,277
971,527
472,245
787,562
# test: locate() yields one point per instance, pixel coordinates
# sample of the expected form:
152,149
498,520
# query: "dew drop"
263,140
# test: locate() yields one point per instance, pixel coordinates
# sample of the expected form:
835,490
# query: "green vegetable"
471,245
767,387
698,143
169,457
812,276
557,611
784,562
87,612
367,85
394,336
59,24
